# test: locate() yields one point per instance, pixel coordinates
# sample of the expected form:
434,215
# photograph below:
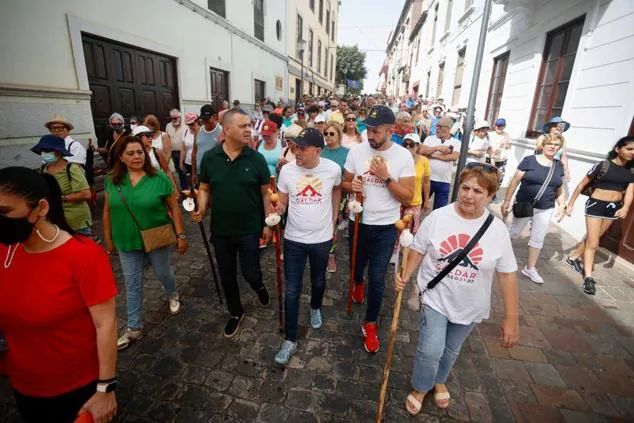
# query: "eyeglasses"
441,126
330,134
351,119
57,128
484,166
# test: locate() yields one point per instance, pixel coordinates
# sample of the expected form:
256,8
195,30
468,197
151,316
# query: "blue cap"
379,115
500,122
51,143
555,120
310,137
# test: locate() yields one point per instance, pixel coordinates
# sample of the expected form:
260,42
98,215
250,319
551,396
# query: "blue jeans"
182,176
132,266
439,343
440,191
295,255
374,249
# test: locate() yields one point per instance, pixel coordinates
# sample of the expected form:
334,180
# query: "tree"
350,66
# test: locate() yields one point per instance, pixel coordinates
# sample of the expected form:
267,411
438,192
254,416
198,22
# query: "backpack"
587,190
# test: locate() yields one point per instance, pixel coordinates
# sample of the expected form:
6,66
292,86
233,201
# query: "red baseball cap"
269,127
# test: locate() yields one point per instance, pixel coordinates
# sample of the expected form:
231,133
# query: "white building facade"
87,59
313,24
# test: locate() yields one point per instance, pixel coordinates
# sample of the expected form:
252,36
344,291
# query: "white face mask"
133,126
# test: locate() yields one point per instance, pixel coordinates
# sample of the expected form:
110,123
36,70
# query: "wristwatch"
181,236
105,386
387,180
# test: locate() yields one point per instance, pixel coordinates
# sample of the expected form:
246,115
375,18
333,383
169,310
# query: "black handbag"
525,208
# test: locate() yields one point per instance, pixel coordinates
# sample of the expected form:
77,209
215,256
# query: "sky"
368,23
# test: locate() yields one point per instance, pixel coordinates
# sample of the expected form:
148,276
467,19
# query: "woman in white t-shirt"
187,146
463,298
479,144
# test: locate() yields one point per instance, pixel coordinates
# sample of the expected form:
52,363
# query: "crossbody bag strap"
125,204
546,182
466,250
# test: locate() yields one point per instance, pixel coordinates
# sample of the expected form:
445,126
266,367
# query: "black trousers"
228,249
59,409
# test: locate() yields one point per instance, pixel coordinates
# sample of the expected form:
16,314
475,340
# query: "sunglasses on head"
330,134
484,166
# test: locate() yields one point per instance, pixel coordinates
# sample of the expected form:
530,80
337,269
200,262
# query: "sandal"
412,405
442,399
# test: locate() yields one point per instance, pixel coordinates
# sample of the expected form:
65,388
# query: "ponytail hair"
619,144
32,187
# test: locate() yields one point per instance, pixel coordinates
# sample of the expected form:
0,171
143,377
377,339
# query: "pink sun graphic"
455,242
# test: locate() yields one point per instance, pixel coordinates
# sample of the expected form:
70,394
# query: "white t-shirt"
440,169
76,149
309,200
379,206
498,142
478,144
464,295
188,142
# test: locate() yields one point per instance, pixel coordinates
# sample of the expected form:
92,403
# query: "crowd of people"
369,159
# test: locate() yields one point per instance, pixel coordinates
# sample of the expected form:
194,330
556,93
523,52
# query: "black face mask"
15,229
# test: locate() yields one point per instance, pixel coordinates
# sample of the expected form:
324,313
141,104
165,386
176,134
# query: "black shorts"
602,209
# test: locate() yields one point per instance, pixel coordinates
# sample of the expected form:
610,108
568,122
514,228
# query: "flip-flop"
412,405
439,399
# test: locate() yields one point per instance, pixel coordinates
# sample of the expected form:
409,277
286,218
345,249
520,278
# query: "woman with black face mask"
60,325
113,133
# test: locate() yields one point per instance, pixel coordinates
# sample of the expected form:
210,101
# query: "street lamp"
301,46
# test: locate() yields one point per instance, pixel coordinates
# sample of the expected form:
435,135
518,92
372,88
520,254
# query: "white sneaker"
532,275
175,305
128,337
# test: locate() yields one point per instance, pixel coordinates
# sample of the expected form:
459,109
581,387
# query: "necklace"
10,253
50,241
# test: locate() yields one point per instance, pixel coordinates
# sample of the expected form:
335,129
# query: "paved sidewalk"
574,362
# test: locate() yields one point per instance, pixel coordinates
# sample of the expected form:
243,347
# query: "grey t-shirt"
205,141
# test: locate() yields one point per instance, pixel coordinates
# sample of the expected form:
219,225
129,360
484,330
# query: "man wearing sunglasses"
442,151
384,173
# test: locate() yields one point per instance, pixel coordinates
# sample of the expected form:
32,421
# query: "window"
457,83
498,76
332,33
311,3
259,88
258,19
441,76
318,56
417,46
278,30
310,88
427,85
217,6
326,65
448,17
327,21
557,63
321,11
300,33
310,47
434,25
332,62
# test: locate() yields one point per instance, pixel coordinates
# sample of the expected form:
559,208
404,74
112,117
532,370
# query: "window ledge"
444,36
466,14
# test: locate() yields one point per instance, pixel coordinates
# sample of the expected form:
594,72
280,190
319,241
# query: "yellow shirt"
422,170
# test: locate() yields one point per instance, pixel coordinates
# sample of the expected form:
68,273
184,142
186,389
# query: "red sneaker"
371,342
358,293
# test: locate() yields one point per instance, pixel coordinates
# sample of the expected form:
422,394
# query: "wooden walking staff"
355,207
405,240
273,220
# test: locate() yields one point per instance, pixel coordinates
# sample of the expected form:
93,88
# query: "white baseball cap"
412,136
141,130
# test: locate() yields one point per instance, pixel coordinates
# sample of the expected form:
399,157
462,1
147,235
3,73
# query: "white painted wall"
41,47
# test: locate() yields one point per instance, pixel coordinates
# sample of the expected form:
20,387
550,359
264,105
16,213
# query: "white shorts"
539,226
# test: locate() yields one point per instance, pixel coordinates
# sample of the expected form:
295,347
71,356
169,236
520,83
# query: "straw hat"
59,119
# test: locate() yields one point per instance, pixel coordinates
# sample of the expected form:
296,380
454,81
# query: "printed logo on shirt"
369,177
309,189
467,270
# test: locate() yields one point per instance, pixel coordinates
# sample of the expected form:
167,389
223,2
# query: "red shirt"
45,318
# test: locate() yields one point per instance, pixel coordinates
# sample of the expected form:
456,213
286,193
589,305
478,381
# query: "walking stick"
355,207
405,240
273,221
190,204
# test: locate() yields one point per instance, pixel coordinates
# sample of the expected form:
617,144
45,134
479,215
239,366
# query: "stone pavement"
574,361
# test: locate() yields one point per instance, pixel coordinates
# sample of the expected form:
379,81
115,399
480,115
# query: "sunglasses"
175,118
57,128
330,134
484,166
351,119
132,122
409,144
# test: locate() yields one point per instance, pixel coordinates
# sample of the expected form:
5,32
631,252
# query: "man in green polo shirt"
236,177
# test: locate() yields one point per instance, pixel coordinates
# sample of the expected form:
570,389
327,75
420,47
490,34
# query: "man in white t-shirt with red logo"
385,173
309,188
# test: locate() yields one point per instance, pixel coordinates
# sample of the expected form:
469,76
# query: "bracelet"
181,236
106,380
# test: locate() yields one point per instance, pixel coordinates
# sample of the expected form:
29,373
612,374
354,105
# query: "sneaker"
130,336
343,225
332,264
263,244
371,341
286,352
532,275
233,325
574,264
589,286
263,297
358,293
175,305
394,258
315,318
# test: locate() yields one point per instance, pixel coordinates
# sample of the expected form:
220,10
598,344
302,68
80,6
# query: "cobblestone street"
574,361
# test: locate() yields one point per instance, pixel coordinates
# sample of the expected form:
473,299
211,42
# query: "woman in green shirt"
71,180
150,195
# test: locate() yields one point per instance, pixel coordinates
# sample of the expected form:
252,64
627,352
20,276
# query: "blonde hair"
546,138
153,121
337,127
